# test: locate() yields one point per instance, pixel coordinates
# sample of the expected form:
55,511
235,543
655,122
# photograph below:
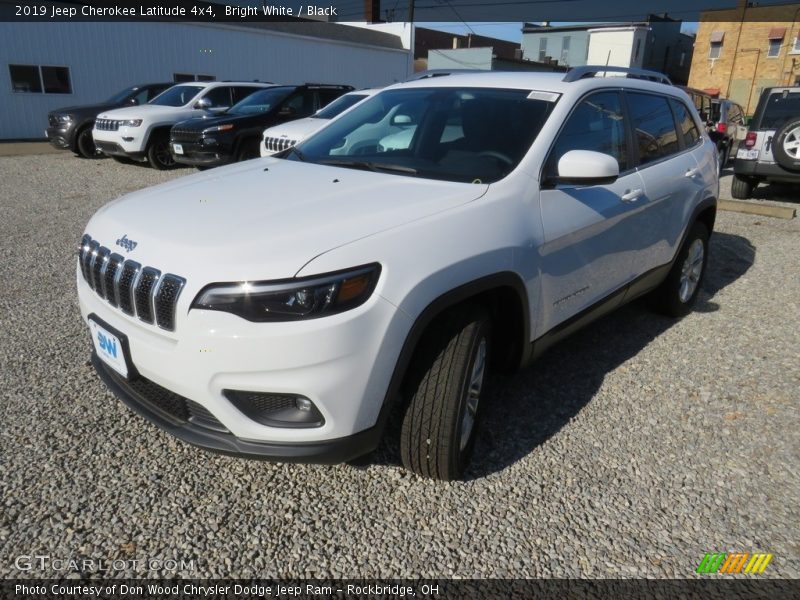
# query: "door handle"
632,195
692,172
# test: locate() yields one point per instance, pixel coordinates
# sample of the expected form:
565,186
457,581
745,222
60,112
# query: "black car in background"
236,134
71,128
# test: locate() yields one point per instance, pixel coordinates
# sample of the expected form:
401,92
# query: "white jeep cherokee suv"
282,308
141,132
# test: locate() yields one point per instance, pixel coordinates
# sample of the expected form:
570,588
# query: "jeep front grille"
106,125
139,291
274,144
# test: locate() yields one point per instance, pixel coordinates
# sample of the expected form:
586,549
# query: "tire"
158,154
786,145
248,149
84,143
445,383
741,188
677,294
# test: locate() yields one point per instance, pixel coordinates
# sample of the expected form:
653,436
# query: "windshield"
121,96
260,102
177,95
338,106
780,108
471,135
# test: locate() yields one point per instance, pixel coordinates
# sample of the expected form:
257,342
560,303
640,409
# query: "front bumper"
201,153
126,141
342,363
324,452
60,137
761,170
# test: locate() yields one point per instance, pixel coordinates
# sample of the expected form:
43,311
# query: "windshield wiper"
368,166
294,150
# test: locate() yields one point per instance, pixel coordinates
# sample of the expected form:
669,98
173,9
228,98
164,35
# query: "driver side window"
595,124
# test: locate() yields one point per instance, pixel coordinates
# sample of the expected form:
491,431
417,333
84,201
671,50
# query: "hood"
297,130
85,110
142,110
201,123
266,218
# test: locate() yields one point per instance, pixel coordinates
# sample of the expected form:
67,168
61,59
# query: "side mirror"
586,167
286,111
203,104
133,102
401,120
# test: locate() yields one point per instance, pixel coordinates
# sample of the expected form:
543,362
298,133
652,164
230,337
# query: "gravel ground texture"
629,450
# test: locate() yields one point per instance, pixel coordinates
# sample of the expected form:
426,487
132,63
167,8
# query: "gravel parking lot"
630,450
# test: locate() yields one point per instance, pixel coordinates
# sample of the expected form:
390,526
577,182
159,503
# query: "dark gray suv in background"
71,128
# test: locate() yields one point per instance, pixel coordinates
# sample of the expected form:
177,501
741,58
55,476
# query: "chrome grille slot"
274,144
166,297
98,269
110,278
143,293
138,291
128,276
91,257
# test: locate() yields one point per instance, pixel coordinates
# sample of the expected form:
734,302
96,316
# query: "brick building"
740,51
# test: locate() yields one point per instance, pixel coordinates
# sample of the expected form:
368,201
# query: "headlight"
292,299
64,118
130,123
226,127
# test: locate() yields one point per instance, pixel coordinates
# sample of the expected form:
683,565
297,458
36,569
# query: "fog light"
276,410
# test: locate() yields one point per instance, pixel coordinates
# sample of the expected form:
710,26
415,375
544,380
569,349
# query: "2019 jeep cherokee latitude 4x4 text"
281,308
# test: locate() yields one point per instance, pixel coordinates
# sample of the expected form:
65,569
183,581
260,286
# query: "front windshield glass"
471,135
260,102
338,106
120,96
178,95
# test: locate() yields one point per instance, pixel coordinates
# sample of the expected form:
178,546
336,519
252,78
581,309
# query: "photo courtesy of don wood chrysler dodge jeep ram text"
281,308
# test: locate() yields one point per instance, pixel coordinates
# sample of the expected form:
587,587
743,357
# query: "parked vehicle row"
434,232
217,122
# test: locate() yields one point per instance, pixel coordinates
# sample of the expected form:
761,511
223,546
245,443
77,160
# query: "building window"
716,50
542,49
774,48
565,50
34,79
796,48
56,80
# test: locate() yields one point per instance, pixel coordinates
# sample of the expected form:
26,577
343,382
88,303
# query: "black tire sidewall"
783,159
80,142
462,457
741,188
152,154
672,300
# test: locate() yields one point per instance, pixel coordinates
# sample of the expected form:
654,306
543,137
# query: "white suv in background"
283,308
141,133
283,136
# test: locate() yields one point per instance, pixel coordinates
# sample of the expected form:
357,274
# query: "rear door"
671,174
590,240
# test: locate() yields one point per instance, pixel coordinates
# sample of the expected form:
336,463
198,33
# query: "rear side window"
779,108
653,126
220,97
596,124
686,125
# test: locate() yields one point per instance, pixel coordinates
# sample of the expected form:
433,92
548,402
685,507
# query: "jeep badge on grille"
126,243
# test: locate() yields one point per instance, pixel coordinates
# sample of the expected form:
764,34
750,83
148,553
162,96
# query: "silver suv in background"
771,150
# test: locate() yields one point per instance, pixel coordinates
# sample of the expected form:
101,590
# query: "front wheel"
722,158
84,143
677,295
446,385
158,154
248,150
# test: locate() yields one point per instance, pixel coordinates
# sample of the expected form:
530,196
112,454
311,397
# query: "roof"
531,28
327,31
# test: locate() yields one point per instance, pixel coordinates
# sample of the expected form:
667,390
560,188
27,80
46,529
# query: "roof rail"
592,70
442,73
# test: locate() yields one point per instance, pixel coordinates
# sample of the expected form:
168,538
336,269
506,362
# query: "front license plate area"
111,347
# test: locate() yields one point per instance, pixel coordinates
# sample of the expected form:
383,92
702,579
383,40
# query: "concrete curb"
758,208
